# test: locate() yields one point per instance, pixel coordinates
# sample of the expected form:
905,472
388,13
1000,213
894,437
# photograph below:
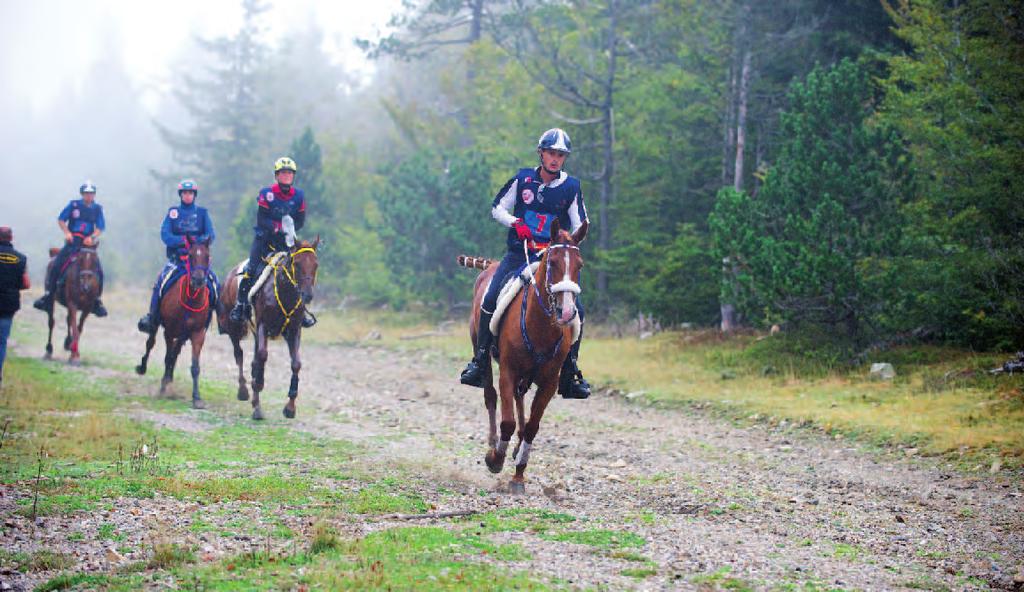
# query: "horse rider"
534,196
184,225
273,204
82,223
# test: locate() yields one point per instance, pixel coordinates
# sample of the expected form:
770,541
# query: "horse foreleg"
49,336
243,391
529,432
259,361
150,341
170,359
293,387
495,457
75,359
197,340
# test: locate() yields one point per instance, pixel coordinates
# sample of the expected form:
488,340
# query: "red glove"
522,230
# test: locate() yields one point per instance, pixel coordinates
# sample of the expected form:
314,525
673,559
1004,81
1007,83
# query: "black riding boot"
473,375
240,312
98,309
571,384
308,320
45,302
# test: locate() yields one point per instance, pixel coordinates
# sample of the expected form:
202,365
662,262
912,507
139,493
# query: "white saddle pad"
269,269
508,293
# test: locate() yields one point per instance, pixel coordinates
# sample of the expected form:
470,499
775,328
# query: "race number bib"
540,225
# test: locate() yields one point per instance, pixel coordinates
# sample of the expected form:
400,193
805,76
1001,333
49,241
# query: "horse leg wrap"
524,454
501,447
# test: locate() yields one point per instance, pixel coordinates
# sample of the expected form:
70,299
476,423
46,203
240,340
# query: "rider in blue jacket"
183,226
527,204
82,223
273,204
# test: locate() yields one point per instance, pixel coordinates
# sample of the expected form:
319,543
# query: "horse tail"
473,262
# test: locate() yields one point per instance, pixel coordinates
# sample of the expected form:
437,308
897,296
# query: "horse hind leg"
495,457
49,337
243,390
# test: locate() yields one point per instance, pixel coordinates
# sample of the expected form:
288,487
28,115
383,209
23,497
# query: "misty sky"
68,116
48,45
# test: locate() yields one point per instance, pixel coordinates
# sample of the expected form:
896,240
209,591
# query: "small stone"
996,465
882,371
613,477
618,464
113,556
900,519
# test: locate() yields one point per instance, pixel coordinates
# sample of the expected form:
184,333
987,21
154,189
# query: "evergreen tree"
816,243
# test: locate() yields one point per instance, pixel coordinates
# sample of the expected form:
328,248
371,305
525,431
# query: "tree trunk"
741,122
608,125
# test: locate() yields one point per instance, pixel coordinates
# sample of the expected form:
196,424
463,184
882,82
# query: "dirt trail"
767,506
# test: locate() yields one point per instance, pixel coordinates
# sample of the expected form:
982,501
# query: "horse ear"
581,232
316,242
555,227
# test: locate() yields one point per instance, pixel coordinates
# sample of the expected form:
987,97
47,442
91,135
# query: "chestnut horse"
278,308
535,337
78,294
185,314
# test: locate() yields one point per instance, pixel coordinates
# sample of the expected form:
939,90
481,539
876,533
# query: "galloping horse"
185,314
535,338
278,309
79,293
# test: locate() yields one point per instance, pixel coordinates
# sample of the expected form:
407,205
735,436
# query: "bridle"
549,309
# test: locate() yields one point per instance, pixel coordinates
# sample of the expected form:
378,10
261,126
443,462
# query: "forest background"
846,167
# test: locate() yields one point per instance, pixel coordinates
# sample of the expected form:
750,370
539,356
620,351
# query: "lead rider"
535,198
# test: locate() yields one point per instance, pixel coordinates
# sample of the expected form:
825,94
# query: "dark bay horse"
184,314
535,337
278,309
78,295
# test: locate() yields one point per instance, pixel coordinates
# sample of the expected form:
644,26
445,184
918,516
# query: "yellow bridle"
291,279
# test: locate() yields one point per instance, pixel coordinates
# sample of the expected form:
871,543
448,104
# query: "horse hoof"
494,463
517,488
257,414
140,370
243,394
289,413
75,362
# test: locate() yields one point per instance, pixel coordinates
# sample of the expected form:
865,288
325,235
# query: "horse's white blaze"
524,454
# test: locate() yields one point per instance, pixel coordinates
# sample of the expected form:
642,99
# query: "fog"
87,81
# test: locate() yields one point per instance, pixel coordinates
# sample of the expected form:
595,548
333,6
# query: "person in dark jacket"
273,204
82,223
13,279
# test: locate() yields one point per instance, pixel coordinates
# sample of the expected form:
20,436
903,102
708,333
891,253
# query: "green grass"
720,580
519,520
610,539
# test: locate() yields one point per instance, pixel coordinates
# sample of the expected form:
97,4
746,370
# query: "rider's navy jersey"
274,204
185,222
83,218
537,204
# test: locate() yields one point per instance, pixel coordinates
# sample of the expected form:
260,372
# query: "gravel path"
719,506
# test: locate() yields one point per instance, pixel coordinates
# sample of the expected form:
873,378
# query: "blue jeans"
5,331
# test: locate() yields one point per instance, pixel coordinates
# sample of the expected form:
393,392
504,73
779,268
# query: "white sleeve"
505,203
574,213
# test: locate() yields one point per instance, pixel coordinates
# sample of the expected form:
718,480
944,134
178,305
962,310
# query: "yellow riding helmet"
284,164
